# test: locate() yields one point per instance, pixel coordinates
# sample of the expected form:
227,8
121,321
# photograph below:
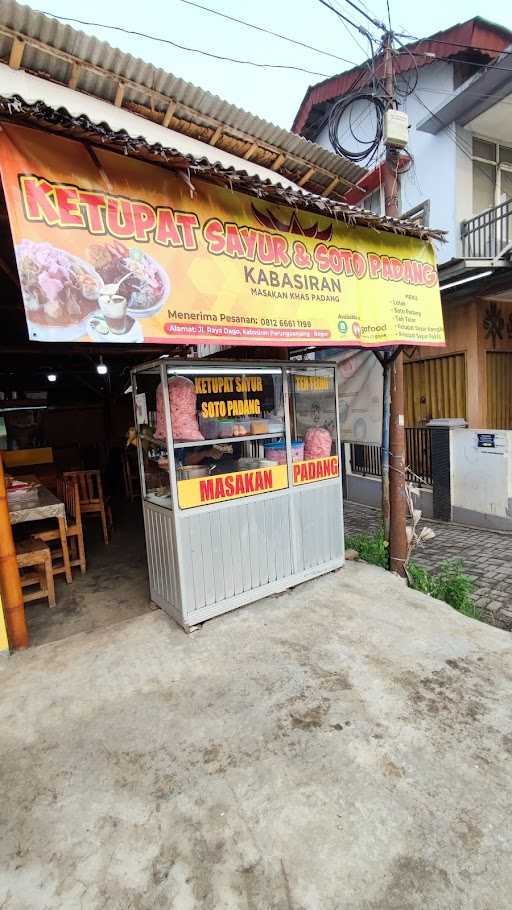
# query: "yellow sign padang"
314,469
201,491
114,249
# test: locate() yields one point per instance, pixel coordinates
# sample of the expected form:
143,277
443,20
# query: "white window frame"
504,166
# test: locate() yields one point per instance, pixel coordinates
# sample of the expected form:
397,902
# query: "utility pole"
394,506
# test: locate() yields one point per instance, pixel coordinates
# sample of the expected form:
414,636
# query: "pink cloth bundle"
317,443
182,400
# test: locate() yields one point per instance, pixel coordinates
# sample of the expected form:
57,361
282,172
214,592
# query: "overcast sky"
273,94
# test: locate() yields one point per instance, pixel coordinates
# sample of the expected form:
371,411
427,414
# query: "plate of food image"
59,291
140,278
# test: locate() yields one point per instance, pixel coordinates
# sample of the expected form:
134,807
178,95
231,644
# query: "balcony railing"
365,458
486,236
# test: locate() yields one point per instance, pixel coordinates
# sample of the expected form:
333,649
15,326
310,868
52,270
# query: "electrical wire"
360,28
401,78
469,94
490,66
267,31
353,37
368,149
389,14
375,22
434,40
181,47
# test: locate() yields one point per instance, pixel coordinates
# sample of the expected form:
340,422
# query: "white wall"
481,479
433,175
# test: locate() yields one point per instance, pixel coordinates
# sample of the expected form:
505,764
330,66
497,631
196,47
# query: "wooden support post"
250,151
171,109
16,55
10,583
74,76
216,136
118,100
329,188
280,160
306,177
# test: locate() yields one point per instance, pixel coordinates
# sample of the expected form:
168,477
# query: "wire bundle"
367,149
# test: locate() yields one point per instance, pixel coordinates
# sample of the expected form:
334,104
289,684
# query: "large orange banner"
115,249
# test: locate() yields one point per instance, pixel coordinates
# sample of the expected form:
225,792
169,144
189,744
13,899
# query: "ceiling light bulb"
52,377
102,368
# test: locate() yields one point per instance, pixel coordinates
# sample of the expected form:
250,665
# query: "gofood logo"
356,329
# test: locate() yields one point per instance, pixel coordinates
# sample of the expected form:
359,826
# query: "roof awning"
474,97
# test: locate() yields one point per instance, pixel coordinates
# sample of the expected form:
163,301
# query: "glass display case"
240,480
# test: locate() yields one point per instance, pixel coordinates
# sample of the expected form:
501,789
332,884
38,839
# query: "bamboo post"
10,583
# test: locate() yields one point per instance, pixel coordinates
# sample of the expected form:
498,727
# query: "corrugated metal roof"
83,128
144,81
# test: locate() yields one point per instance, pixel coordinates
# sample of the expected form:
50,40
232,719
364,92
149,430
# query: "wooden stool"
67,491
34,554
92,500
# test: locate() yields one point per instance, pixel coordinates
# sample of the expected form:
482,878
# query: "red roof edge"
476,34
372,180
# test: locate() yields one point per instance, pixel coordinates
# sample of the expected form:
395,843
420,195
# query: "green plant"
420,579
373,548
449,584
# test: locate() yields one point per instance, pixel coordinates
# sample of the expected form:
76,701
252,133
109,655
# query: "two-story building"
456,174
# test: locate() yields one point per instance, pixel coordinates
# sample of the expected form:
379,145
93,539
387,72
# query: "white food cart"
240,478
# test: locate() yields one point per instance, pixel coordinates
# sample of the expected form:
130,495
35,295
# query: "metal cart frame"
208,560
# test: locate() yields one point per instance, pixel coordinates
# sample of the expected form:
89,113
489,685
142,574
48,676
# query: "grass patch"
449,584
373,548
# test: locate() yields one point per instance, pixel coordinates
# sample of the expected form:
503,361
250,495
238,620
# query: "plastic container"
259,426
215,428
190,471
248,464
209,427
276,451
274,424
225,428
241,427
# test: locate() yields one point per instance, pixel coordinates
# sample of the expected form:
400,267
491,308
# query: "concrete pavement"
344,746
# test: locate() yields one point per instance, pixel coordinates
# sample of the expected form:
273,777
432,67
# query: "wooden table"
47,506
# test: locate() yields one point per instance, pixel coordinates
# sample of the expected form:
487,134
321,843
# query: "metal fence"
366,460
486,235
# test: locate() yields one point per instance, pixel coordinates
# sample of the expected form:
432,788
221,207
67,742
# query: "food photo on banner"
103,256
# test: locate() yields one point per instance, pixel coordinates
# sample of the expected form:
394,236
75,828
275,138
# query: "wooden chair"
32,554
92,500
67,491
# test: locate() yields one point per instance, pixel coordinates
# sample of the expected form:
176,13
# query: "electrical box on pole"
396,129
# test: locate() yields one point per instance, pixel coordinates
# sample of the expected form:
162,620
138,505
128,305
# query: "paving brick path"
486,556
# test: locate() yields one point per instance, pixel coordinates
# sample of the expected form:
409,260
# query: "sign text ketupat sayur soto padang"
116,247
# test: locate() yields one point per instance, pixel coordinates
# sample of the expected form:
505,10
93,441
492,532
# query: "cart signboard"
113,249
200,491
240,480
